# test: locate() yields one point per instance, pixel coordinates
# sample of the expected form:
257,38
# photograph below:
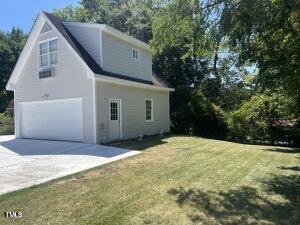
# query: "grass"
176,180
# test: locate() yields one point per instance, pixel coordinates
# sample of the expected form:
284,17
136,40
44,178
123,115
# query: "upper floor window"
48,53
135,54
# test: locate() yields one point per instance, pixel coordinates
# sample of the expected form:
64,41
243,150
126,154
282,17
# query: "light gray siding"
117,58
89,38
70,81
133,110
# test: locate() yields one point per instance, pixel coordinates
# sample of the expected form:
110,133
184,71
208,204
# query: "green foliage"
180,25
256,118
11,44
207,118
6,124
131,16
71,13
266,33
182,55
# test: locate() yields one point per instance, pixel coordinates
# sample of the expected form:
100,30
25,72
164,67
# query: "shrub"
6,124
256,118
193,113
207,118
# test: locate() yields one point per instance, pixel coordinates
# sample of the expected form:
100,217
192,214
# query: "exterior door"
115,119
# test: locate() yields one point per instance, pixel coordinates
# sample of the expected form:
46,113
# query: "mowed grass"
176,180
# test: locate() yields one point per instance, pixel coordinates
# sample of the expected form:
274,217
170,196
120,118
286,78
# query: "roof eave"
123,82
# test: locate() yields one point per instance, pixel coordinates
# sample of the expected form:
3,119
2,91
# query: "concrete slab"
27,162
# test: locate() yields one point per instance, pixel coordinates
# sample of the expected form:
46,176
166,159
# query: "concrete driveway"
26,162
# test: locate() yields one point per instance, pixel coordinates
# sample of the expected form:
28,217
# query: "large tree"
267,34
183,51
11,44
130,16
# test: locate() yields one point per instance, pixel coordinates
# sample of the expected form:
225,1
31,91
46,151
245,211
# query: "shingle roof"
88,59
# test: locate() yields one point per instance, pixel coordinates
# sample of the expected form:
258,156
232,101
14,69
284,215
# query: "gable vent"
46,28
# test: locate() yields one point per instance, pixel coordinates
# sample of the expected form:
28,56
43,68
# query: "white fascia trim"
33,36
114,32
129,83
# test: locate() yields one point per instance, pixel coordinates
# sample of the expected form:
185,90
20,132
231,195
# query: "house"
86,82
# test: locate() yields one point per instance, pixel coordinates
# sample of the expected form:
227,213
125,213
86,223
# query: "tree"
11,44
182,53
266,33
257,117
130,16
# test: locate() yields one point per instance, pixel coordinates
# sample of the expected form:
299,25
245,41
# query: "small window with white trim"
48,53
135,54
149,110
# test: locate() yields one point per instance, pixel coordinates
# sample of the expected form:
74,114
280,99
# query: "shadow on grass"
293,168
140,145
245,205
285,150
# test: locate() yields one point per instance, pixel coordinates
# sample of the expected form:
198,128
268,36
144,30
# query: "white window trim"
48,53
152,115
138,52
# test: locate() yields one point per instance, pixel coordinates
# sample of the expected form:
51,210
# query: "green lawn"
176,180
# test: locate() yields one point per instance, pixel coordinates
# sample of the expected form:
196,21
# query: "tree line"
234,64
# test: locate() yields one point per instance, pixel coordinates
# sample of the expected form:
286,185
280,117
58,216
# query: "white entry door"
115,118
52,119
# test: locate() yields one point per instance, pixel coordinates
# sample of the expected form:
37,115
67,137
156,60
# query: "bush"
256,118
193,113
6,124
207,118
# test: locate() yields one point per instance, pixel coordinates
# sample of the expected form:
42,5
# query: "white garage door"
52,119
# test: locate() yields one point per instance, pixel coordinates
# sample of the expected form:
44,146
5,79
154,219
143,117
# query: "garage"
52,119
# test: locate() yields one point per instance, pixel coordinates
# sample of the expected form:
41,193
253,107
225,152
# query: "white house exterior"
88,83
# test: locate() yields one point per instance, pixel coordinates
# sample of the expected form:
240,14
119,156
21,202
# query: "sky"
22,13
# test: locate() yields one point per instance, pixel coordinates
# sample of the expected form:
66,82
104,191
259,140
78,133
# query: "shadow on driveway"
30,147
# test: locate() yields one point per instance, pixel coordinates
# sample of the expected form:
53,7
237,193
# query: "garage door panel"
53,120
